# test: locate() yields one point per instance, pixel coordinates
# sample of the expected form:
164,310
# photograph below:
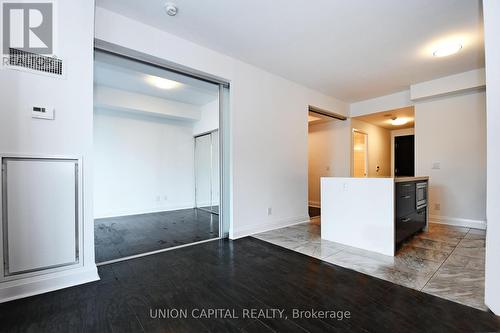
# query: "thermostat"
42,112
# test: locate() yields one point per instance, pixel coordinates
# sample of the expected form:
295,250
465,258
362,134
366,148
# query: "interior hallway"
445,261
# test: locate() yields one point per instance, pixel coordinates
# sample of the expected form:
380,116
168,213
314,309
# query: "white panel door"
41,224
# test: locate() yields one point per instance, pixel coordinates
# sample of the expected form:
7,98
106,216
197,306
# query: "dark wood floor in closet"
123,236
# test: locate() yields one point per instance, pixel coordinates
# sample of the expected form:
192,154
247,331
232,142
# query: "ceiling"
383,119
314,118
124,74
352,50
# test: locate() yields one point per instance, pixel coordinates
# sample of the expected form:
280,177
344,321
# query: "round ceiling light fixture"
398,121
171,9
447,49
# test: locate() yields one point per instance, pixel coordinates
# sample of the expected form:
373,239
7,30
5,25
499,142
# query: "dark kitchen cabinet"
409,218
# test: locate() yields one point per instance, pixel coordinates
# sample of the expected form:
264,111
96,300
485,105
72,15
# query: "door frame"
394,134
211,173
355,130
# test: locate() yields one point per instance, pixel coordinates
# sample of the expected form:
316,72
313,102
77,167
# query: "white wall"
121,100
69,134
461,82
329,154
450,128
268,124
379,148
395,133
492,45
451,131
142,164
383,103
209,119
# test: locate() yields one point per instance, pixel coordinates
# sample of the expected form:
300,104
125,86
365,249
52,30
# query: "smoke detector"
171,9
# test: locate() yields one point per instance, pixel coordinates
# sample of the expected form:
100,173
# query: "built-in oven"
421,195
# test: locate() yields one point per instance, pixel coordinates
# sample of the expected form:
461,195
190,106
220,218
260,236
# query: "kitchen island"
374,214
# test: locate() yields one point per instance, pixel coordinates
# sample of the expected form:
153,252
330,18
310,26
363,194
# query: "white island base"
359,212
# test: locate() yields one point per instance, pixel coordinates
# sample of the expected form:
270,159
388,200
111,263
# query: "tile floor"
444,261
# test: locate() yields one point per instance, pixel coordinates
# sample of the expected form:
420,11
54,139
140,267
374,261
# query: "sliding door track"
136,256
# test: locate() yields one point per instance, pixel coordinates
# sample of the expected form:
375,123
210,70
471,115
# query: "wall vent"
38,63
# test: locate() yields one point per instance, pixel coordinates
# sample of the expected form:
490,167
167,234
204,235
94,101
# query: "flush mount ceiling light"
447,49
171,9
449,44
398,121
162,83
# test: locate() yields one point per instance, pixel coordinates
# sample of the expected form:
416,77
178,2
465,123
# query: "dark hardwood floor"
118,237
242,274
314,211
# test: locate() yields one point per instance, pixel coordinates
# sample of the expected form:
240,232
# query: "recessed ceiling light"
162,83
171,9
447,49
398,121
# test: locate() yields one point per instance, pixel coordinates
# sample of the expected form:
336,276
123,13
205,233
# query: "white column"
492,45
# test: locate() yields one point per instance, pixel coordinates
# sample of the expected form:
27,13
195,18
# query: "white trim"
476,224
263,227
315,204
45,283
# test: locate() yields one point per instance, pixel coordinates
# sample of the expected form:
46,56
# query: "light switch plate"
42,112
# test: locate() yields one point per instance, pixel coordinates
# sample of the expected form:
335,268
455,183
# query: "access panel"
39,214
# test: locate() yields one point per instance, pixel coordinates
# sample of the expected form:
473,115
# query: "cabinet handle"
406,197
406,219
406,185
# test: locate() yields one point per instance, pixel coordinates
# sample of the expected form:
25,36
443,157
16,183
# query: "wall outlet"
165,197
436,166
270,211
327,168
437,206
158,198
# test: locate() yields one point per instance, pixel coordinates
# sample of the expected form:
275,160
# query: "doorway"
360,153
158,158
404,156
325,134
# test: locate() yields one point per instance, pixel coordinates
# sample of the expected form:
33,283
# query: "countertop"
410,179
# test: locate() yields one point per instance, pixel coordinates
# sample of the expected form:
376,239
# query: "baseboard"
493,306
143,211
263,227
316,204
41,284
459,222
